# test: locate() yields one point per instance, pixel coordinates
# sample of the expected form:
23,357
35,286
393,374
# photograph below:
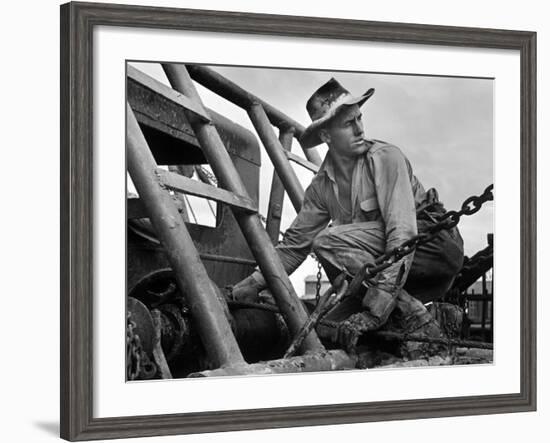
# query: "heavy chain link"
448,220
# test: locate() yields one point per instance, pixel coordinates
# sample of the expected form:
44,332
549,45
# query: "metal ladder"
153,185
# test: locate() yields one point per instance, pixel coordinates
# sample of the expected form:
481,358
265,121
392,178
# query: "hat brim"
310,137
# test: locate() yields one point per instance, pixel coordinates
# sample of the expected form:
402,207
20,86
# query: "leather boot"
412,317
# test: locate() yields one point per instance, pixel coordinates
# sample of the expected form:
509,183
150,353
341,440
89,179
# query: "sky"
444,125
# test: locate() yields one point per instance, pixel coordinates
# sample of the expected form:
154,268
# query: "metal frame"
259,242
77,23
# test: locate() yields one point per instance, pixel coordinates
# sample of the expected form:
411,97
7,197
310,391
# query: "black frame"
77,23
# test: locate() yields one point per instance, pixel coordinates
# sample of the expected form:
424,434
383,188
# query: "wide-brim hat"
324,104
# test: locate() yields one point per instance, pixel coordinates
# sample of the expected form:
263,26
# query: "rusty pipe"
275,151
276,197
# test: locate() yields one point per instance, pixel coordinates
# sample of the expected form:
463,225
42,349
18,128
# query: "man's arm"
298,238
296,243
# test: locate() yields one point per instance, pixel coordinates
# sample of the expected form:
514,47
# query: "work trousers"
433,270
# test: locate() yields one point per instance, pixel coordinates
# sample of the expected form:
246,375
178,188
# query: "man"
368,193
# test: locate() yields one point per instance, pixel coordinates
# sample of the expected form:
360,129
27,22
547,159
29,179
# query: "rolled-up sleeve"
392,177
298,238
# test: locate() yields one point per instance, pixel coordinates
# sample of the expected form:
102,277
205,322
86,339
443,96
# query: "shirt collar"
327,167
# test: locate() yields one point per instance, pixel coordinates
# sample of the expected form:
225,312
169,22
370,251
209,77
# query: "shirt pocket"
370,209
370,204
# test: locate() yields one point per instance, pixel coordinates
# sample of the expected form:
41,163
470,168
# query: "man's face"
344,133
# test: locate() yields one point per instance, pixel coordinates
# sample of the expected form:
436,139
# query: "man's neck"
343,166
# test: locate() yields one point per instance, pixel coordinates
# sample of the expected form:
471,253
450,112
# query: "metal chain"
319,275
318,283
133,351
138,364
208,176
447,221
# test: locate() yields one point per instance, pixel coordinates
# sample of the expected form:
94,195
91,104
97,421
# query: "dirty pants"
434,267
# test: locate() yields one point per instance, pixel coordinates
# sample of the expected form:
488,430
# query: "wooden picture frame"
77,23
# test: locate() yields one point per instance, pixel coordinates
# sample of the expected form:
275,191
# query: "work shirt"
384,194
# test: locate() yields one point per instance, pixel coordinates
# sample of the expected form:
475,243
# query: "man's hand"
247,290
353,327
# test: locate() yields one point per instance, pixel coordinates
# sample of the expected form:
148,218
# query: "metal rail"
276,197
244,99
189,186
304,163
277,155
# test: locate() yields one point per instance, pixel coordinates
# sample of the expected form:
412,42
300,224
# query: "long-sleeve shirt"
384,191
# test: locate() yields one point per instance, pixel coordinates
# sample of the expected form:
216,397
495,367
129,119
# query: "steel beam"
235,94
189,186
277,195
212,323
277,155
306,164
165,91
266,256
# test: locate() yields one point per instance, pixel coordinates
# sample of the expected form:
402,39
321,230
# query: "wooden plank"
167,92
302,162
179,183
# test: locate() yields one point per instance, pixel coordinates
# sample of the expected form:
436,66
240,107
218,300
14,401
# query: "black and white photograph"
288,219
284,220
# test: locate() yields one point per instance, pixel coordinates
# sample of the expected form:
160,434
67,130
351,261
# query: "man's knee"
321,242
